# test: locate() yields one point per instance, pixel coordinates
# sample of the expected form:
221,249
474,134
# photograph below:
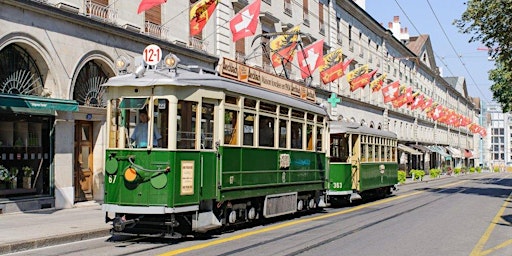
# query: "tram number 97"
112,178
337,185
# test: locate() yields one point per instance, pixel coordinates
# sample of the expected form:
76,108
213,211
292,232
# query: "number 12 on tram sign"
152,54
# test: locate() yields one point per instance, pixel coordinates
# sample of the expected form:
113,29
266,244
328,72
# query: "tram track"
364,213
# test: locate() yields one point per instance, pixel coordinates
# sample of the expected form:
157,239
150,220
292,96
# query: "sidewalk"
30,230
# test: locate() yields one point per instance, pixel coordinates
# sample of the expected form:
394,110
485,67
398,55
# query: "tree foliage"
490,23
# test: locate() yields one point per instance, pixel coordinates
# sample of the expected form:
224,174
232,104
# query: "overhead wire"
450,43
453,48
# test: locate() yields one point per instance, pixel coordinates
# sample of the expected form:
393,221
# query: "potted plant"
4,176
13,172
27,176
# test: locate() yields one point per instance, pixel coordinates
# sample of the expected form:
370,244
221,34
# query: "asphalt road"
465,215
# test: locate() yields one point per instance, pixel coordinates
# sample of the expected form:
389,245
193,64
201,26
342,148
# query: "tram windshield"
139,123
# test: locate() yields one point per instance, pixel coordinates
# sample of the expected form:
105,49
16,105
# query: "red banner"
148,4
200,13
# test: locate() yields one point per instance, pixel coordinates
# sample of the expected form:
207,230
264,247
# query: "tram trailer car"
363,162
226,173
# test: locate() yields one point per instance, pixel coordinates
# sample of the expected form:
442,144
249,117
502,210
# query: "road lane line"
477,250
295,222
502,245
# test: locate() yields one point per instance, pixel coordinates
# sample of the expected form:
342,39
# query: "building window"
305,11
321,18
288,7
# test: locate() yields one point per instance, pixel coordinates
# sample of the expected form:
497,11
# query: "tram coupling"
120,223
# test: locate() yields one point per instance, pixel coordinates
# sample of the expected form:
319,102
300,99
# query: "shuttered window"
154,15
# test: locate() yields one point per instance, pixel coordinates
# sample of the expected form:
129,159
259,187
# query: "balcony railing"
100,12
155,30
198,44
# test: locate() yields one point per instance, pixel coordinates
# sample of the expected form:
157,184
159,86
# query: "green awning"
440,150
16,103
133,103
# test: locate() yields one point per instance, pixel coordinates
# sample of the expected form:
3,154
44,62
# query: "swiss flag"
427,103
244,23
418,102
390,91
148,4
438,112
310,58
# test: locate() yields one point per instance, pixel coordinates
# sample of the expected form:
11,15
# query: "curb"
52,240
425,180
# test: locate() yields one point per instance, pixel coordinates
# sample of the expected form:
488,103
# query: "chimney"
390,25
396,19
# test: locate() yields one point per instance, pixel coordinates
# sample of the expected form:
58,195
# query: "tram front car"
210,152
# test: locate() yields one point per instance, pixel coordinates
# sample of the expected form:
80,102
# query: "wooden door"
83,174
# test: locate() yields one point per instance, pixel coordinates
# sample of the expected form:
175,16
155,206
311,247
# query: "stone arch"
379,126
92,70
35,49
371,124
363,123
352,119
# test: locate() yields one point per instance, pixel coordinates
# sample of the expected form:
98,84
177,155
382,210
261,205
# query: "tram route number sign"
152,54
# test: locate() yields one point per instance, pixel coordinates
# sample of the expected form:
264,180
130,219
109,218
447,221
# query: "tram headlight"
122,64
130,174
171,60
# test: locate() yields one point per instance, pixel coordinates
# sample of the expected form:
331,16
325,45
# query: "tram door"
83,161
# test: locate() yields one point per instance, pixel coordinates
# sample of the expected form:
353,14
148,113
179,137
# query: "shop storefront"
27,144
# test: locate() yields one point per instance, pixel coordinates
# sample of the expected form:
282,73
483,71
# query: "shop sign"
243,73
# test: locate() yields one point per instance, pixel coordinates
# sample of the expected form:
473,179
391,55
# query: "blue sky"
454,55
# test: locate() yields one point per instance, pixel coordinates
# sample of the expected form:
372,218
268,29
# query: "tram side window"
389,154
186,125
249,129
344,148
335,149
266,131
371,151
296,135
309,136
319,139
230,127
115,124
207,126
383,157
161,121
282,133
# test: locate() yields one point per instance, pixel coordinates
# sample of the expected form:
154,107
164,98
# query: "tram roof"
188,78
351,127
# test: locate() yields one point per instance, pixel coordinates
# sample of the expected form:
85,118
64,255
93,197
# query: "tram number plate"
337,185
112,178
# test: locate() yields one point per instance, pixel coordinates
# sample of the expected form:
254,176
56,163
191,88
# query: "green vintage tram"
363,162
217,151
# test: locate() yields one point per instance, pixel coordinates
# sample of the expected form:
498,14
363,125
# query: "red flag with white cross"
244,23
390,91
310,58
